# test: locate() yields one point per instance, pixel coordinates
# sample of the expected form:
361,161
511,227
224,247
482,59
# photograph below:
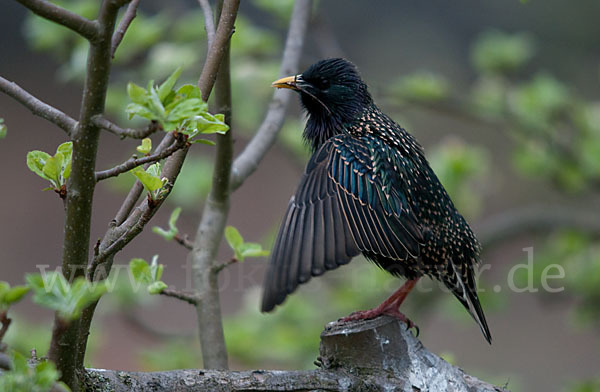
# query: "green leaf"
4,287
54,292
9,296
147,177
3,129
66,149
189,91
134,109
233,237
15,294
204,141
167,235
185,109
145,147
19,363
140,270
45,374
165,88
251,249
36,161
156,269
173,219
156,104
497,52
154,169
52,169
536,103
157,287
23,378
421,87
208,123
137,94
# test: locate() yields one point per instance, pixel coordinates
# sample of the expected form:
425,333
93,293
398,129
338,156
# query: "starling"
369,189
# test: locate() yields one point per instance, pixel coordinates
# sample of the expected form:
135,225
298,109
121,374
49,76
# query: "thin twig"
220,267
128,234
102,122
135,192
82,26
190,298
247,162
128,16
209,24
216,52
38,107
133,162
184,241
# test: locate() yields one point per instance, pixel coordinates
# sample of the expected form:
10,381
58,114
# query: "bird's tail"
467,295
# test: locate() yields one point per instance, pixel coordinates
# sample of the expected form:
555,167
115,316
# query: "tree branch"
88,29
119,33
247,162
376,355
119,235
190,298
38,107
103,123
220,267
210,231
209,25
135,162
134,193
184,241
216,52
64,348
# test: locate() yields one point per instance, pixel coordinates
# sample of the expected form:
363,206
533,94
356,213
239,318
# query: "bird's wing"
342,207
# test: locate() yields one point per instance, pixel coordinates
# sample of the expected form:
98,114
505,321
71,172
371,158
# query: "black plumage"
368,189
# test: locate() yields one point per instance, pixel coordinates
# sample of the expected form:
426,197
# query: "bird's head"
332,93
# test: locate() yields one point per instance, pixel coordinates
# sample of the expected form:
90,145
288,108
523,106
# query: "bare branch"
247,162
38,107
184,241
209,233
220,267
135,162
190,298
102,122
216,52
82,26
119,33
65,348
209,24
376,355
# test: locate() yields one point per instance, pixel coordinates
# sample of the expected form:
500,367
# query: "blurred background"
503,95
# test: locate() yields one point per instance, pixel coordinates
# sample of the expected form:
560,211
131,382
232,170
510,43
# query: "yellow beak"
288,82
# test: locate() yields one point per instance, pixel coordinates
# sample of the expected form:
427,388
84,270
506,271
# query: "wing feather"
342,207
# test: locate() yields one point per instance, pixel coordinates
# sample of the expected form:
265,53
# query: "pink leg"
390,306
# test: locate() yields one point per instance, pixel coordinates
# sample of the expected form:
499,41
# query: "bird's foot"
373,313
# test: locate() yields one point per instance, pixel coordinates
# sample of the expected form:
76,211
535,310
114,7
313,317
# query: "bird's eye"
321,84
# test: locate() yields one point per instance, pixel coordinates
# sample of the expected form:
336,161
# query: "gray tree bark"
373,355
